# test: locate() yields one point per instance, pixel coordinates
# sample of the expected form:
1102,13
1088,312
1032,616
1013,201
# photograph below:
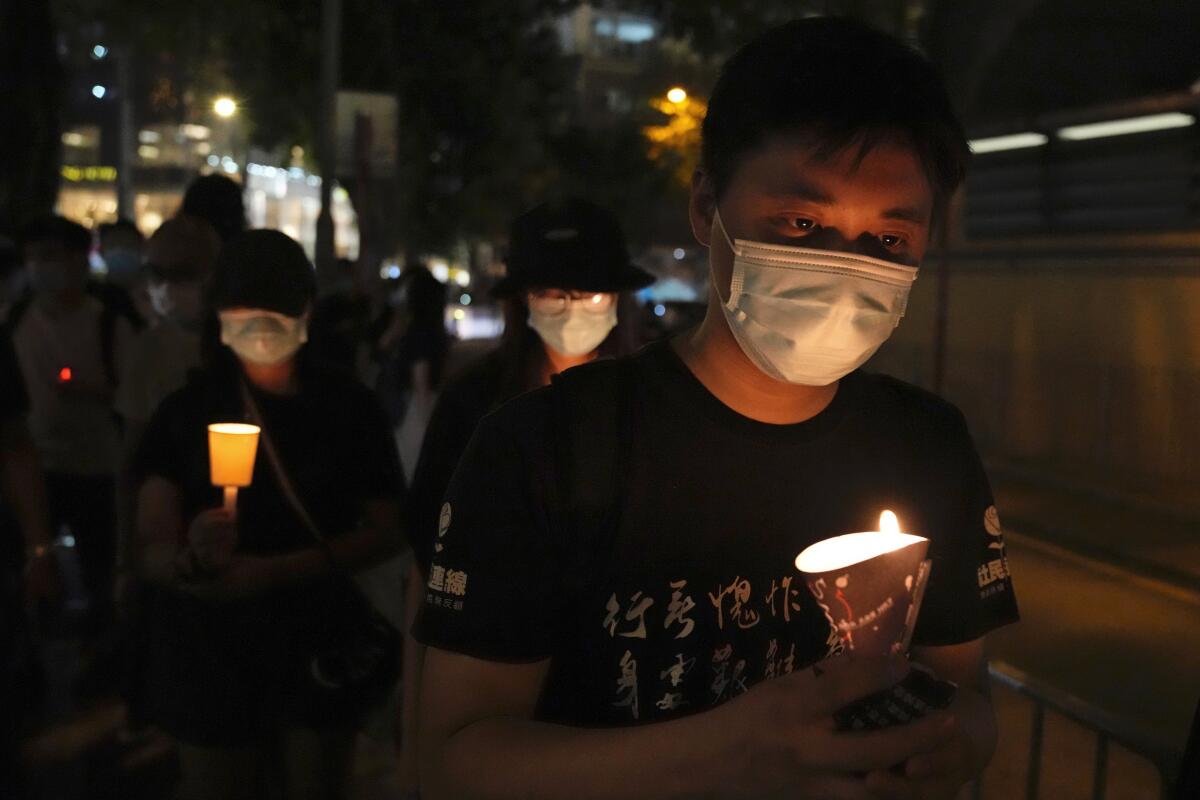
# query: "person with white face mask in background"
244,602
567,300
122,248
180,257
73,344
179,261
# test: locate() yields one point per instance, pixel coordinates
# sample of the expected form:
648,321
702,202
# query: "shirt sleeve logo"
443,526
993,575
991,521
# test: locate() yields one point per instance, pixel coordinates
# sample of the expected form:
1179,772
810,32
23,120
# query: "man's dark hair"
51,228
845,83
218,201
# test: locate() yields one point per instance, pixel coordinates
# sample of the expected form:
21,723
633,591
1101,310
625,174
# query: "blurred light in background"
1120,127
224,107
194,131
677,95
1012,141
99,52
99,91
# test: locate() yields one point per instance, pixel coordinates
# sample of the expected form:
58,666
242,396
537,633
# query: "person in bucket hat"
567,299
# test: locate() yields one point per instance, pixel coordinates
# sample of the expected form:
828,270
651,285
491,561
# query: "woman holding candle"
242,597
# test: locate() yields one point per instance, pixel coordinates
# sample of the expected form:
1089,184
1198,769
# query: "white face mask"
263,337
808,316
576,331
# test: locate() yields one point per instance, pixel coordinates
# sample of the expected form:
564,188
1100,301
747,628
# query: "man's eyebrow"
906,214
797,190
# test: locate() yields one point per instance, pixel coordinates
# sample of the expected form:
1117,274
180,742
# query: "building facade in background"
115,142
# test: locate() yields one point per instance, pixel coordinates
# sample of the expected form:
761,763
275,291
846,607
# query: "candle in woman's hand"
232,447
869,585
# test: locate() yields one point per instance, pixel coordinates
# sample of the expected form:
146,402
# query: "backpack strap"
593,407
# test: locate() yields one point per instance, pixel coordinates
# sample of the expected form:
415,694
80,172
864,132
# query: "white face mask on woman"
809,316
572,323
263,337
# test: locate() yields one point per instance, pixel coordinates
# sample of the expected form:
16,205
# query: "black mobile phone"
912,698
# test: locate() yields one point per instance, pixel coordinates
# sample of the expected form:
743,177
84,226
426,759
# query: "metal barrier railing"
1107,727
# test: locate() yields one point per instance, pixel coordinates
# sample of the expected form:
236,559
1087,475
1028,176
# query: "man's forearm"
502,758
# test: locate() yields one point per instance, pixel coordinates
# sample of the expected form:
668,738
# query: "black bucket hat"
264,269
569,244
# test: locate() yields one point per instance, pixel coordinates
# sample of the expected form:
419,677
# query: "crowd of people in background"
201,620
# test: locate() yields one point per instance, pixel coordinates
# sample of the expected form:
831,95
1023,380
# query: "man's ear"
701,206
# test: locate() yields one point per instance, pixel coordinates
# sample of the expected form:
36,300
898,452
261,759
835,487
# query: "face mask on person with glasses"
572,323
263,337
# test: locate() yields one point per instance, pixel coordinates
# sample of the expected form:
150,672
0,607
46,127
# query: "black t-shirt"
697,598
462,403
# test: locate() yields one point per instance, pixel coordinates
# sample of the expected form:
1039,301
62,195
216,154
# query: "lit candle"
232,447
869,585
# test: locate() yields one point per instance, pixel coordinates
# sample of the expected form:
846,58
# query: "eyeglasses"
556,301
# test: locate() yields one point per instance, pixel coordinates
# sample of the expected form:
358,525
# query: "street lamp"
677,94
225,107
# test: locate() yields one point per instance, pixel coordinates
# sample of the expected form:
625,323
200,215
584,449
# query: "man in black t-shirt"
651,637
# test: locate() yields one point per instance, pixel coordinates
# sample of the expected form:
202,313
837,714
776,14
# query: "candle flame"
888,523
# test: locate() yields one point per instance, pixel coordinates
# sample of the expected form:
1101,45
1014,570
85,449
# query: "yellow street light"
677,94
225,107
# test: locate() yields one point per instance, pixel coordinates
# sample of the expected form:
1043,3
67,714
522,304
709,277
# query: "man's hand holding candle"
788,742
936,775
